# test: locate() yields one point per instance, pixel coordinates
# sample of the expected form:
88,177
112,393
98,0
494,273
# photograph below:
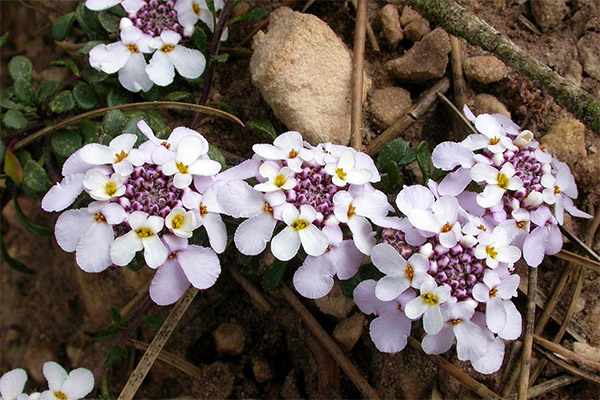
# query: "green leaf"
158,125
3,40
151,95
393,175
24,91
423,155
215,154
393,151
179,96
113,123
408,158
115,355
65,142
2,151
108,21
115,315
85,50
273,276
14,264
88,20
12,167
62,26
200,40
107,333
15,120
154,321
35,177
93,76
117,97
89,131
227,107
255,14
46,90
263,126
211,7
20,67
221,58
23,156
348,285
85,96
67,64
62,102
31,226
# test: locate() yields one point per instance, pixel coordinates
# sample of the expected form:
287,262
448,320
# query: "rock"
408,16
348,331
548,13
289,389
35,357
566,141
390,20
584,349
417,29
261,370
137,279
216,382
303,70
335,303
427,59
389,104
229,339
488,104
485,69
574,72
75,354
589,170
589,54
240,9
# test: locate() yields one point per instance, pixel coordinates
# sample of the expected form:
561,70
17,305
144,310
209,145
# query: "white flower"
143,235
428,305
494,248
190,11
12,384
442,220
187,162
300,230
170,55
494,353
181,222
287,147
162,150
131,6
126,57
493,136
277,178
119,152
101,187
400,274
344,172
76,385
89,233
207,213
498,182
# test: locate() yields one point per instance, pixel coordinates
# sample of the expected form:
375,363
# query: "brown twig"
263,24
171,359
139,297
583,361
549,386
461,117
568,367
371,37
358,73
584,247
528,339
404,122
579,260
527,24
483,391
460,87
259,301
338,355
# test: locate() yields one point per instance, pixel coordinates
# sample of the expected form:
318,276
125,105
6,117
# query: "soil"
56,313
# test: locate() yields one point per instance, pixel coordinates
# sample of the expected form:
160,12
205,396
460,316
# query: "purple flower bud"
441,277
443,261
456,250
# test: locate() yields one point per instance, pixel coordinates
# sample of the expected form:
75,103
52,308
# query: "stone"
589,170
548,13
390,21
408,16
566,141
240,9
215,382
574,72
348,331
229,339
262,370
304,70
289,389
389,104
487,104
485,69
589,54
35,357
417,29
426,59
335,303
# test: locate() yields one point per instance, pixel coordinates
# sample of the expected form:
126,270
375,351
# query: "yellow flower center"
483,228
120,156
166,144
456,322
133,48
280,180
111,188
144,232
503,181
196,8
351,210
182,167
521,224
300,224
98,217
491,252
267,208
430,298
494,141
173,255
167,48
556,189
340,173
293,154
410,272
447,227
177,221
203,210
60,395
493,292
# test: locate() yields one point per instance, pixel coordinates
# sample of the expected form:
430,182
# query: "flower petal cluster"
145,200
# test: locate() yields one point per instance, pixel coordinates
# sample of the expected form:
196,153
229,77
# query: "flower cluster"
153,28
150,198
61,386
322,198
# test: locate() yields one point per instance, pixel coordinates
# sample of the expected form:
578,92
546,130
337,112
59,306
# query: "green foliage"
108,21
117,97
85,50
85,96
14,119
65,142
31,226
215,154
113,123
24,92
179,96
20,67
200,40
62,26
263,126
253,15
67,64
153,321
114,356
273,276
423,155
3,40
45,91
221,58
12,167
89,132
35,177
93,76
2,151
62,102
14,264
88,20
394,151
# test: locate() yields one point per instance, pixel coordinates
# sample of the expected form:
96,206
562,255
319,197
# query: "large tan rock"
390,22
548,13
589,54
348,331
389,104
304,71
485,69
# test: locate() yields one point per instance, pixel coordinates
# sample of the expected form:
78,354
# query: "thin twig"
527,24
583,361
262,25
371,37
584,247
568,367
461,117
404,122
460,87
259,301
159,341
528,339
332,347
171,359
139,297
579,260
357,74
549,386
483,391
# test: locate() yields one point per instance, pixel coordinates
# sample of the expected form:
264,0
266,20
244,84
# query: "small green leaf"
12,167
179,96
35,177
85,50
85,96
227,107
215,154
255,14
348,285
211,7
65,142
14,264
107,333
31,226
151,95
2,151
46,90
88,20
158,125
93,76
393,175
115,355
408,158
423,155
67,64
154,321
393,151
15,120
108,21
273,276
263,126
113,123
62,102
221,58
115,315
3,40
200,40
23,156
117,97
24,91
62,26
20,67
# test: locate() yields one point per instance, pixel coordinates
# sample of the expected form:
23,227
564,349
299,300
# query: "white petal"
481,292
12,383
346,259
285,244
314,242
204,168
182,181
314,279
190,63
160,69
495,314
79,384
109,58
535,245
124,248
440,343
201,266
471,342
216,230
508,254
55,375
358,176
489,126
432,320
96,154
424,220
491,196
492,360
387,260
390,287
63,194
93,250
239,200
133,76
189,149
448,155
484,173
368,303
98,5
155,251
362,234
455,182
346,161
169,284
415,308
290,214
70,226
252,235
371,205
513,327
390,331
270,152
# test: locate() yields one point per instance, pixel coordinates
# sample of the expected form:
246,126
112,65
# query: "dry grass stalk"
259,301
371,37
460,87
567,354
569,367
358,61
171,359
528,339
579,260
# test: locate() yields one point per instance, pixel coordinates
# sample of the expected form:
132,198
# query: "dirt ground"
56,313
